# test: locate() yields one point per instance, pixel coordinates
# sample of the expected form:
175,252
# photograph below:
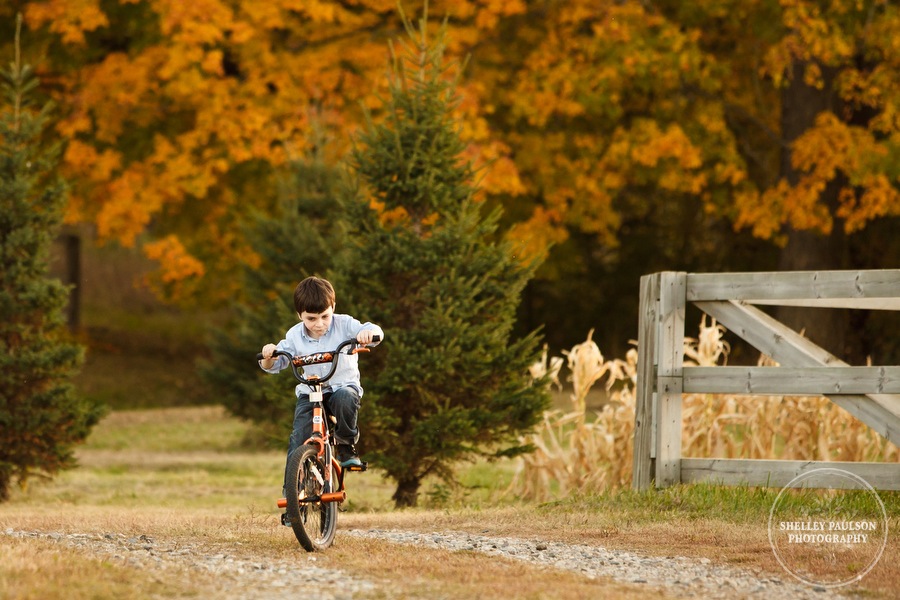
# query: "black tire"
314,523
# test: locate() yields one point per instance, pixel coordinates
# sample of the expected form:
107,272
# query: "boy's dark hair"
313,295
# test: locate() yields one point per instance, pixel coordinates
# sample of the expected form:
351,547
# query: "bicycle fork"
319,438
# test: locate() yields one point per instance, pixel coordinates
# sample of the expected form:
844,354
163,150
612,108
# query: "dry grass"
223,502
399,571
416,572
682,521
154,473
34,569
579,454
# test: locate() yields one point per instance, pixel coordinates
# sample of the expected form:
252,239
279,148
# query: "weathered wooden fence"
870,394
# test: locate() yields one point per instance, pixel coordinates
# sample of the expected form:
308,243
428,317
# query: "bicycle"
315,478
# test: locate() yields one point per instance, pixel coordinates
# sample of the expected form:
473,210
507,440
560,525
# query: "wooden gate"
870,394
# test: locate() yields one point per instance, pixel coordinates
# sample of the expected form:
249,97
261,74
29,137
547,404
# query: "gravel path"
235,577
276,579
677,576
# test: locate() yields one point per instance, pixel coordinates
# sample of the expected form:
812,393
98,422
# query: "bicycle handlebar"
298,362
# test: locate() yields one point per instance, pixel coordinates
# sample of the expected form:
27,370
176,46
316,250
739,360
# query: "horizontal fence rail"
870,394
831,289
780,473
793,381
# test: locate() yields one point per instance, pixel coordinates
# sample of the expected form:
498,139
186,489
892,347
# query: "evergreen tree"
296,239
41,417
426,263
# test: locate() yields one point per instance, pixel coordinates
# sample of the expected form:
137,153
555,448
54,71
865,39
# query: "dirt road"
242,573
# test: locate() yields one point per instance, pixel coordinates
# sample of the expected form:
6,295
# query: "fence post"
644,424
670,377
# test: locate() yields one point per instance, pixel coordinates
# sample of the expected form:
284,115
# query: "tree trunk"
407,493
806,249
73,279
5,480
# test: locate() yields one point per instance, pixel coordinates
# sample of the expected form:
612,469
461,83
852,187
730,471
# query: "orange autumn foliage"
162,117
584,113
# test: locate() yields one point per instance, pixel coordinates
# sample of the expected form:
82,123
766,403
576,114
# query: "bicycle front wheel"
313,521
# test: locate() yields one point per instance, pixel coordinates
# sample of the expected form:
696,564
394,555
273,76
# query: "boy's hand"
267,351
365,336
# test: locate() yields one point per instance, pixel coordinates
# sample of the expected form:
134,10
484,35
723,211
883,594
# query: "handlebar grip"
376,338
276,354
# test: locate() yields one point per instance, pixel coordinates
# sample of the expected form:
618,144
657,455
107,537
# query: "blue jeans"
342,403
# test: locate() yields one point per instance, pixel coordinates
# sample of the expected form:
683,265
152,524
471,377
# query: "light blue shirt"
298,342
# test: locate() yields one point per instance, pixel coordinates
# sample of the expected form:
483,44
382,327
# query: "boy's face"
317,324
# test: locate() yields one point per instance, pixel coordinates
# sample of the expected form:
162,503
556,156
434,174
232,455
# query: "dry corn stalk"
577,455
548,367
571,454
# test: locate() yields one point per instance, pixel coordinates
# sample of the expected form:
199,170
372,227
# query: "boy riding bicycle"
321,330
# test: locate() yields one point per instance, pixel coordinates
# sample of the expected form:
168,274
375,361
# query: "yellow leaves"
212,63
673,143
177,267
550,89
491,11
878,198
399,216
610,103
319,12
430,220
814,36
832,147
874,89
69,18
95,166
177,263
112,91
729,174
194,22
502,174
532,238
484,150
263,14
241,33
832,150
797,206
389,218
128,207
646,153
831,144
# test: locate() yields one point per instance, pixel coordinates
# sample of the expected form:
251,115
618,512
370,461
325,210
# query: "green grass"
701,501
204,429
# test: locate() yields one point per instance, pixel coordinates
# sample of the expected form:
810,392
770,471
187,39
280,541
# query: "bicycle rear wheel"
313,521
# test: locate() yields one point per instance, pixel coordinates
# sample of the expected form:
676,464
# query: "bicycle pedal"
359,468
285,520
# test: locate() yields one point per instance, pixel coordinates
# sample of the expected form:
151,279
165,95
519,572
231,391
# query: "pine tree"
41,417
297,238
426,263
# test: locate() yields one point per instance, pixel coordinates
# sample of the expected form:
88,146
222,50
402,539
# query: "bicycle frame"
321,435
